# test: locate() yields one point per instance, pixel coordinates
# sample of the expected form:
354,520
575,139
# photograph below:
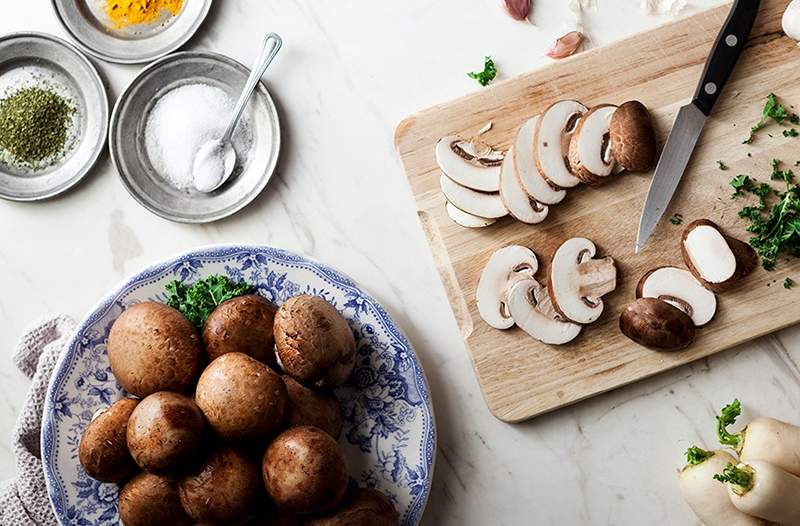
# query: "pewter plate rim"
140,59
113,147
104,115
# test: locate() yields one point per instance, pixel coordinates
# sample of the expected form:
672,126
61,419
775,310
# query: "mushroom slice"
529,175
715,259
519,204
531,310
551,142
578,282
633,139
473,164
465,219
657,324
678,287
481,204
590,156
505,267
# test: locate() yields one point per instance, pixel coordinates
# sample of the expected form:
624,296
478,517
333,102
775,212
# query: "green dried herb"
790,133
722,165
676,219
788,283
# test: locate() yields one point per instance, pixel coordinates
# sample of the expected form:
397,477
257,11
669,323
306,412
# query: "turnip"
763,490
708,498
765,439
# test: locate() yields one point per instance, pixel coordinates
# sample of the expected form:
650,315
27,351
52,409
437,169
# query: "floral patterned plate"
389,437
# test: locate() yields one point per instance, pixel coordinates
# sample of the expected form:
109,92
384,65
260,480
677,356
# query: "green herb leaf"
676,219
487,75
727,417
722,165
790,133
695,455
742,478
740,184
772,110
788,283
197,301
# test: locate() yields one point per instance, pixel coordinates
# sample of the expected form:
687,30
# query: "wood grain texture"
522,378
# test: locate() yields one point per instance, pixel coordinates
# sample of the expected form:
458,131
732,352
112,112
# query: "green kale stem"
727,417
740,478
696,455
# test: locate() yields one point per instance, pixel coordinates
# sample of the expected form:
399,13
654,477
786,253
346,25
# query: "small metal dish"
127,140
86,22
36,59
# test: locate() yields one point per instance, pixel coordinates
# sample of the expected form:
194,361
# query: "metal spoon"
214,161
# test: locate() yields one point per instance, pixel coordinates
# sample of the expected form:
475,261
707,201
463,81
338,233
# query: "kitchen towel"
23,500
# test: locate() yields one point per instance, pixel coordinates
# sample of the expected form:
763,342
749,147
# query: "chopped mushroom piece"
717,261
678,287
481,204
656,324
519,204
633,139
551,141
505,267
473,164
590,156
465,219
531,309
531,178
578,282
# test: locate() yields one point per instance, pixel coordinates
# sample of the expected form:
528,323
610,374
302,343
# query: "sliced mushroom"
505,267
532,180
715,259
481,204
465,219
680,289
633,139
590,157
532,311
551,142
578,282
519,204
657,324
470,163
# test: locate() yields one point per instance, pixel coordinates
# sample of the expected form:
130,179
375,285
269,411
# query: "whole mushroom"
361,507
311,407
149,499
103,450
314,342
153,347
242,324
633,138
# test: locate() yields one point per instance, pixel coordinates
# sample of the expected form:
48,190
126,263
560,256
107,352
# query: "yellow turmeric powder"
125,13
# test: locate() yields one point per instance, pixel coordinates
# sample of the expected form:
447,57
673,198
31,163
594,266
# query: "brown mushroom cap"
242,324
304,471
361,507
242,398
149,499
314,342
633,138
153,347
656,324
309,407
103,450
165,432
225,489
746,257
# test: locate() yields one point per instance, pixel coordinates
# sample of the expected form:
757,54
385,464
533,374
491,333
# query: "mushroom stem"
598,277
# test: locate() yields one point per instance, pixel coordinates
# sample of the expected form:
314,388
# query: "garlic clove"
518,9
566,45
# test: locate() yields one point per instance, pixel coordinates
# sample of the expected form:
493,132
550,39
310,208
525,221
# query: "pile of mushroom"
509,294
566,145
671,302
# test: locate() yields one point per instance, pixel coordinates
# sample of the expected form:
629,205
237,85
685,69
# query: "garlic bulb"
791,20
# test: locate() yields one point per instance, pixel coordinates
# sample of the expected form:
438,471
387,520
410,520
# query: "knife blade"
691,118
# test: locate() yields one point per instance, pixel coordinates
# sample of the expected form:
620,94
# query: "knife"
692,117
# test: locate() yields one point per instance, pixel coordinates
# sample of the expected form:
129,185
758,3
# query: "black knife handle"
725,53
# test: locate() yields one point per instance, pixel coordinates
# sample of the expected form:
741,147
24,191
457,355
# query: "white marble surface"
350,70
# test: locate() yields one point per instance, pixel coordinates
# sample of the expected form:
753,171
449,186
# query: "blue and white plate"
389,437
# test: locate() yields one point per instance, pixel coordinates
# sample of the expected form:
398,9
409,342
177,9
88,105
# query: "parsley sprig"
487,75
773,110
198,300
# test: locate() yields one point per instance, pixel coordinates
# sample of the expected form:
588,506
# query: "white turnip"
763,490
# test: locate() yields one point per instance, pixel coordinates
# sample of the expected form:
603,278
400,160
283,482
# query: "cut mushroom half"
519,204
481,204
465,219
633,138
530,308
505,267
551,140
680,289
590,155
470,163
715,259
656,324
578,281
529,175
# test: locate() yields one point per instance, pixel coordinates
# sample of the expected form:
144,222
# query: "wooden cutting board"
522,378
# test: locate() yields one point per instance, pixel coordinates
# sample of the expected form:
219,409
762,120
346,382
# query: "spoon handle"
265,56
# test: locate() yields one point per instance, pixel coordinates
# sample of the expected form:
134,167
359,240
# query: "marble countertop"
348,73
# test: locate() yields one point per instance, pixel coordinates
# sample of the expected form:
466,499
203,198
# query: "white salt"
182,121
209,166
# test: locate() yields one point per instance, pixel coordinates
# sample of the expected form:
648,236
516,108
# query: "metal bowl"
129,152
86,22
31,59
